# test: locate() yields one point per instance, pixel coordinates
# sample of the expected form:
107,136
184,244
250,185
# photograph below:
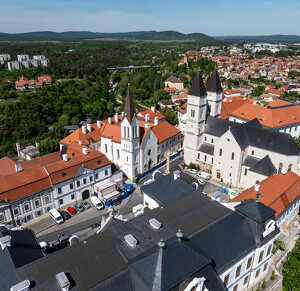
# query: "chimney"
80,142
63,281
109,120
147,125
147,117
18,167
5,242
122,113
176,174
284,171
18,148
22,286
85,151
155,120
99,123
116,118
83,129
65,157
37,144
89,127
153,109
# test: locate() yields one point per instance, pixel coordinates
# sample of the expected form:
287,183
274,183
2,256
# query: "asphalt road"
125,208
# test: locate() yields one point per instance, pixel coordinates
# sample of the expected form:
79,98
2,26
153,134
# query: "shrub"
264,283
194,166
258,287
273,275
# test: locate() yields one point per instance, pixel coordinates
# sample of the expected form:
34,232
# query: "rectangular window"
2,216
249,263
265,267
192,113
38,213
16,211
84,181
269,250
257,273
72,196
220,154
59,190
47,199
212,160
212,141
198,156
245,173
106,148
91,178
226,279
28,217
48,209
118,154
26,206
106,171
246,280
261,256
78,183
232,155
205,158
37,202
205,138
235,287
252,153
238,271
96,176
61,201
71,186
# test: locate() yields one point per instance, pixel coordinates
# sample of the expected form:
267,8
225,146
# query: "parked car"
204,175
85,204
65,215
63,238
97,203
78,207
201,182
45,245
71,210
192,171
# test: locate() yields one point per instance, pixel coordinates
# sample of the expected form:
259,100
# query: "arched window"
280,168
127,132
290,167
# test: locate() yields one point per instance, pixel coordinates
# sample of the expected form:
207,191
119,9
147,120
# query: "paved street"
47,230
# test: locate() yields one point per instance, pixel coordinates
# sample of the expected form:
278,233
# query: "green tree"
291,269
48,145
170,115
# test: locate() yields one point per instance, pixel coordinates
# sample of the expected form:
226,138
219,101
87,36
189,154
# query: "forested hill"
86,35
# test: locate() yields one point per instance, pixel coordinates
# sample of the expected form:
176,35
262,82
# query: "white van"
204,175
55,215
97,202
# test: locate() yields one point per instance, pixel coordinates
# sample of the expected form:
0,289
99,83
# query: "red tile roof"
22,184
230,104
164,131
7,167
152,114
42,161
278,192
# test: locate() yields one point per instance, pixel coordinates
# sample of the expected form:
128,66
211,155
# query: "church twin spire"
129,108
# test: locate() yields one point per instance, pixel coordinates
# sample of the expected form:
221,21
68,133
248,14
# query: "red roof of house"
275,92
164,131
278,192
22,184
7,167
152,114
42,161
230,104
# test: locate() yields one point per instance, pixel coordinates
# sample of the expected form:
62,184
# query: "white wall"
149,202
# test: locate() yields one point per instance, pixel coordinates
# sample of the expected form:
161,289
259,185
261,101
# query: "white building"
56,180
135,142
22,58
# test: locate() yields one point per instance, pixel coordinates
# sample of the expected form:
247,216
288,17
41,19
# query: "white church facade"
134,142
236,154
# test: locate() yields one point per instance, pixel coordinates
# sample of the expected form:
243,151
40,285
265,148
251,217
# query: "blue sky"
212,17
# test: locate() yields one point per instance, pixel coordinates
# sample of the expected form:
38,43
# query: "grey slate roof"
166,189
106,262
250,161
129,108
255,210
207,148
217,127
214,84
264,167
251,134
198,88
